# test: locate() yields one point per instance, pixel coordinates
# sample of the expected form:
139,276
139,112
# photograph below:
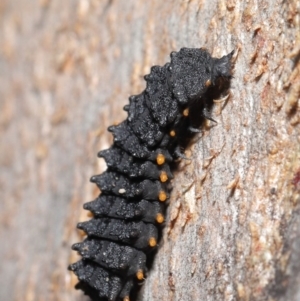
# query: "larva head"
192,71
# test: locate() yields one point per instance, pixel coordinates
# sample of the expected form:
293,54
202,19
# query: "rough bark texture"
67,68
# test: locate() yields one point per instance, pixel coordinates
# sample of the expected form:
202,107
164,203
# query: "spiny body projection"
130,211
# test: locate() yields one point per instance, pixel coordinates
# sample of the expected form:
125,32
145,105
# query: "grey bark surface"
66,70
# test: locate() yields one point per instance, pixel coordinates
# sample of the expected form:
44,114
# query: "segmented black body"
134,190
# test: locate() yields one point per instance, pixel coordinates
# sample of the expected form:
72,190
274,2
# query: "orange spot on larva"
163,176
172,133
208,83
186,112
140,275
90,214
162,196
81,233
160,218
152,242
160,159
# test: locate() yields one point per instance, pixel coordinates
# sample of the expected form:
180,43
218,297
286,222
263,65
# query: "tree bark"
67,68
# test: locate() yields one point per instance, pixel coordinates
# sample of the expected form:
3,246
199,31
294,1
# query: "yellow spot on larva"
126,298
140,275
208,83
152,242
162,196
186,112
160,218
160,159
172,133
163,176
